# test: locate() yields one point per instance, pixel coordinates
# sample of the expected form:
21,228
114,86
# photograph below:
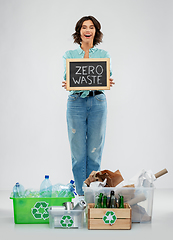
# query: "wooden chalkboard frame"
70,88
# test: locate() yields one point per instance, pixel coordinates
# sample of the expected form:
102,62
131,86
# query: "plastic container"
34,210
66,219
141,199
46,187
18,190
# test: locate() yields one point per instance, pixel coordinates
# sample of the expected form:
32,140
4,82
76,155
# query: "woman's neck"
86,46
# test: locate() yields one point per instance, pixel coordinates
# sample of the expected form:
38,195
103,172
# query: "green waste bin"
35,210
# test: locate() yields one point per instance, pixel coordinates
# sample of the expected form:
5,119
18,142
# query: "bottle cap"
72,182
47,176
112,193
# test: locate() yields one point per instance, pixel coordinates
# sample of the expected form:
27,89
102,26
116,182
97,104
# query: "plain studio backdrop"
34,35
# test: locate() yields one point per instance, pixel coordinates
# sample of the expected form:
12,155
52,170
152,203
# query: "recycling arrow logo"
40,210
66,221
109,217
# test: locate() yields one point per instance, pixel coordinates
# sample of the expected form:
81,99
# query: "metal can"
68,205
80,205
56,208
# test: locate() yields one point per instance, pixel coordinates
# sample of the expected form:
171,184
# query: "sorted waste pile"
105,189
135,189
46,190
51,204
113,179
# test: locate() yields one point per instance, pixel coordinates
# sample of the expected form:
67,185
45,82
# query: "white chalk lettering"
98,79
77,81
84,71
94,77
83,80
88,75
91,69
89,80
78,70
99,66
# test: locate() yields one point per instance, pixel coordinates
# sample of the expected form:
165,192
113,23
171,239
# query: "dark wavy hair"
98,35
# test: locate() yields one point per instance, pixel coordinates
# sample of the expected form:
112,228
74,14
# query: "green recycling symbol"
40,210
109,217
66,221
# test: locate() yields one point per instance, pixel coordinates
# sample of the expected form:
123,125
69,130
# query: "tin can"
57,208
80,205
68,205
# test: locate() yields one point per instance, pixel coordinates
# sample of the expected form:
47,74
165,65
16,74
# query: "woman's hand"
111,82
64,84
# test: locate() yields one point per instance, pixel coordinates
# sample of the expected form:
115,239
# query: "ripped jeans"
86,121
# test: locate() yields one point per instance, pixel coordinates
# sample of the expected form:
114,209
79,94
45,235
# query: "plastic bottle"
46,187
56,190
67,190
18,191
31,193
71,187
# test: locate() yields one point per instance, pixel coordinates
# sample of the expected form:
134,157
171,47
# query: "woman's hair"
98,34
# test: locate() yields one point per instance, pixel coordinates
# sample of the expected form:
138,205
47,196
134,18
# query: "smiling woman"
86,109
88,25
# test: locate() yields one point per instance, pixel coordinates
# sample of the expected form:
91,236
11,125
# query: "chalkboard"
88,74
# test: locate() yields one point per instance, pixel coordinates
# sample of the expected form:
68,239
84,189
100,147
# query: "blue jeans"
86,121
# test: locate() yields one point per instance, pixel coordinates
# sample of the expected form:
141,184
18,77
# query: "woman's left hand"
111,82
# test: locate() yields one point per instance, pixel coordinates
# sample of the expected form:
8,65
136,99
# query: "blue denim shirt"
79,53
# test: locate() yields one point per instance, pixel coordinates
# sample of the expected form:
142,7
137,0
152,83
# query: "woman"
86,110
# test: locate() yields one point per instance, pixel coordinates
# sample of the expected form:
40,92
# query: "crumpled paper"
113,178
98,184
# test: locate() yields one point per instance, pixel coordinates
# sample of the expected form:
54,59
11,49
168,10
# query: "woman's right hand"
64,84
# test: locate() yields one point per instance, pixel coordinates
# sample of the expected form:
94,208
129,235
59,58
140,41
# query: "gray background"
33,133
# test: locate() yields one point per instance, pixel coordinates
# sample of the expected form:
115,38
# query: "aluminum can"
80,205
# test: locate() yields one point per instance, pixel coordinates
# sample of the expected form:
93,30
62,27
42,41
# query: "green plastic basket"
35,210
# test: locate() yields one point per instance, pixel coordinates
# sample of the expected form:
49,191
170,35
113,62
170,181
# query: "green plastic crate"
35,210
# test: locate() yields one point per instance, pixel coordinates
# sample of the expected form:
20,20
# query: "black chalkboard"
88,74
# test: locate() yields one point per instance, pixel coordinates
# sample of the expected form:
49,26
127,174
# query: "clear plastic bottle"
18,191
71,187
46,187
56,190
31,193
67,190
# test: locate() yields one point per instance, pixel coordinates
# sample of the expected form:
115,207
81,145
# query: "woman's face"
87,32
